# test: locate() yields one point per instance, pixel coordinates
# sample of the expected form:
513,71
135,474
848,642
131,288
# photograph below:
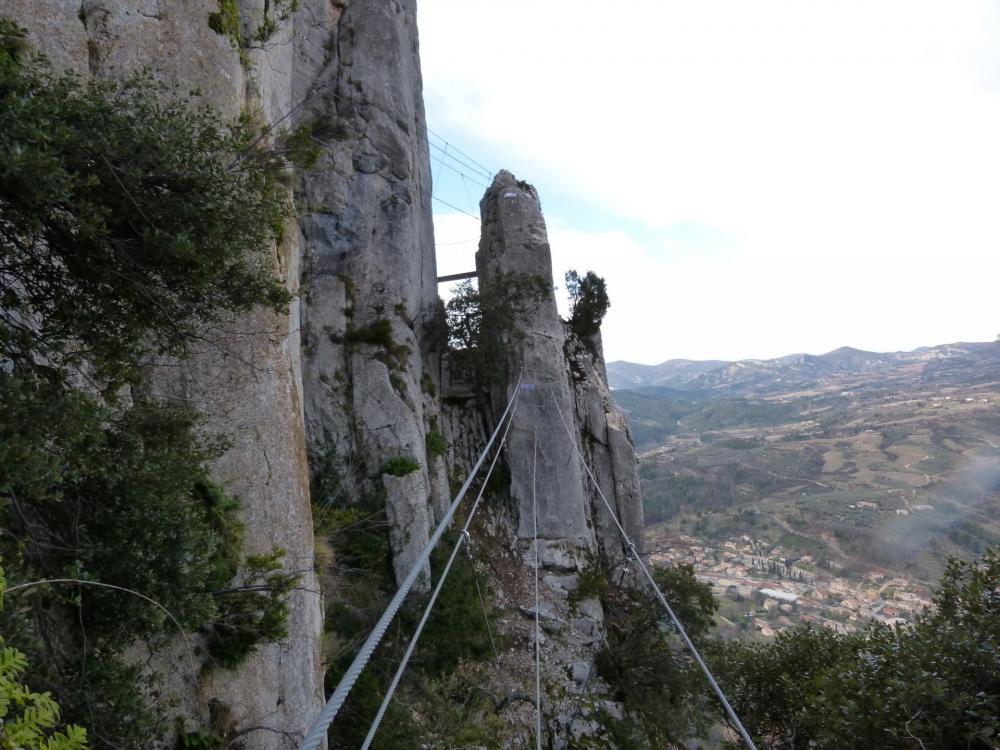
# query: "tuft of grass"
377,333
436,444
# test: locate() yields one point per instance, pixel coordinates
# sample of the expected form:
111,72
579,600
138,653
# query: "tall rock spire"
514,264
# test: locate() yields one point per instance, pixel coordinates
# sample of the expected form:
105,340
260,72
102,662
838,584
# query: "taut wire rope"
538,646
319,727
730,713
462,537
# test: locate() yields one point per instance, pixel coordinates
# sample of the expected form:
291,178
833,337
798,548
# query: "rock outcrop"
515,268
563,429
369,270
564,407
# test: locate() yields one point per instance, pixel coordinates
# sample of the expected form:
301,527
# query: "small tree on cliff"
589,302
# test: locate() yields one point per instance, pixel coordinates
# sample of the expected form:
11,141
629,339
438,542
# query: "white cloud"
845,152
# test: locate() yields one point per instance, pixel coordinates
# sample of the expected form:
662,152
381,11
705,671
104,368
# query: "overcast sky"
752,178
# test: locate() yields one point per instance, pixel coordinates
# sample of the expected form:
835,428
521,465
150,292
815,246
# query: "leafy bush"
592,584
226,21
127,220
27,718
253,611
482,321
456,630
378,333
400,466
661,688
436,444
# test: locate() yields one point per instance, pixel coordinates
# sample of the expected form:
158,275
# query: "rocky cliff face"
564,410
348,381
245,378
563,417
369,268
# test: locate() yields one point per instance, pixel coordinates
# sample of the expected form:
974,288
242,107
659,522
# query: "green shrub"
436,444
130,220
662,690
377,333
226,21
456,630
130,224
400,466
197,740
592,584
482,321
27,718
253,611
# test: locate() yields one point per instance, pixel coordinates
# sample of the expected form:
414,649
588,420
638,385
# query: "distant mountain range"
711,377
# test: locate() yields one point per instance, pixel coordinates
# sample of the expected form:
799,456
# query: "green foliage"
351,727
359,537
934,684
427,385
27,718
117,497
379,333
589,302
436,706
325,482
105,694
122,498
464,316
436,444
275,13
252,612
435,328
226,21
127,222
483,322
13,43
643,663
456,630
593,584
300,147
127,219
400,466
197,740
456,714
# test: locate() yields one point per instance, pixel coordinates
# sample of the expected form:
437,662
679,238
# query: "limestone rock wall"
607,446
564,384
564,417
368,251
349,373
245,378
514,263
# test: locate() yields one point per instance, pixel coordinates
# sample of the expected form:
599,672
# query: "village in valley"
763,590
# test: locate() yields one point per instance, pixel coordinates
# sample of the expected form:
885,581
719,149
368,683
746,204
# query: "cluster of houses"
780,592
